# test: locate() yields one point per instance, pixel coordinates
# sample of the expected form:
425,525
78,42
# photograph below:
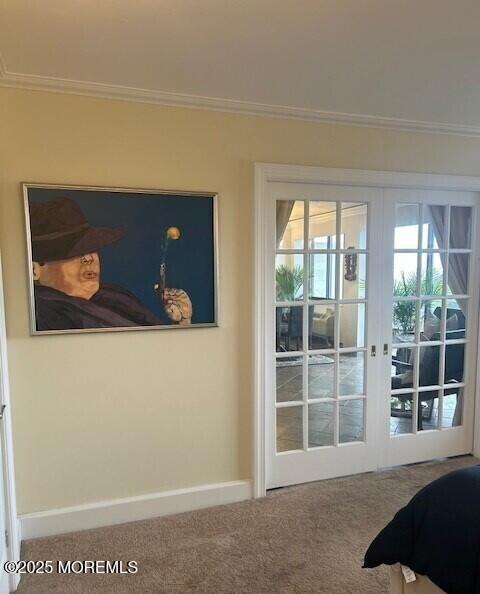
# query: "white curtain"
459,230
457,265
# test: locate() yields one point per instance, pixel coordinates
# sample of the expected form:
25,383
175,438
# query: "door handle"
373,350
2,410
385,348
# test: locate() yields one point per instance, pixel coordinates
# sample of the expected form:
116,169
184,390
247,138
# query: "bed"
437,536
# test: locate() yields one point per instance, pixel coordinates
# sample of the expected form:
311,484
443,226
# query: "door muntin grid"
321,357
430,317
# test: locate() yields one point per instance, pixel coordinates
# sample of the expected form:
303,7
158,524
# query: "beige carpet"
305,539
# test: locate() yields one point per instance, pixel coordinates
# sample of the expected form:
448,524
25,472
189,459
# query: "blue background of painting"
133,261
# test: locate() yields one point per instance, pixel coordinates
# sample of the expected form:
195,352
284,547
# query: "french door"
430,298
369,326
323,297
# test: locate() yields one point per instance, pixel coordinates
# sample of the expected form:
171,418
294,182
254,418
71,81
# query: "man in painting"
66,273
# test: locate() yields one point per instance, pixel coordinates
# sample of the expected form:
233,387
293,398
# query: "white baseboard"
130,509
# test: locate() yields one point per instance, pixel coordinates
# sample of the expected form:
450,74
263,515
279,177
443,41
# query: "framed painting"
109,259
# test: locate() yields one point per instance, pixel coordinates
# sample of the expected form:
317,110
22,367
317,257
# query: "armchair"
289,324
428,374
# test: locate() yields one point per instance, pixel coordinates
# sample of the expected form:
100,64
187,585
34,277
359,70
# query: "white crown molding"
171,99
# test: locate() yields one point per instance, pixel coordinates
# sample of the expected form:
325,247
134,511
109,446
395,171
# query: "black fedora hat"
59,230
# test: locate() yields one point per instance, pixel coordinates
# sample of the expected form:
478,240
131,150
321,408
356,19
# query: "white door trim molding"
132,509
272,172
259,362
11,521
266,173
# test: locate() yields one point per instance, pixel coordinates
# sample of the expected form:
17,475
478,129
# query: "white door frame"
266,173
6,445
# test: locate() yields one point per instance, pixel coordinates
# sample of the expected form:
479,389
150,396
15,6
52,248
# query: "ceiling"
393,63
315,208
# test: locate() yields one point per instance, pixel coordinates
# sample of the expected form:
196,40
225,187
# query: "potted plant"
406,286
289,282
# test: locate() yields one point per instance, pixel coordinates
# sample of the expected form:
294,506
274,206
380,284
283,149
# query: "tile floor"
320,415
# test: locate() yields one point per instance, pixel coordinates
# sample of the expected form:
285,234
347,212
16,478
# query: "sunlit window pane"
405,275
290,224
322,276
322,225
354,225
406,226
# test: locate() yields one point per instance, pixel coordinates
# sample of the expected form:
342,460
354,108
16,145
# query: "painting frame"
213,196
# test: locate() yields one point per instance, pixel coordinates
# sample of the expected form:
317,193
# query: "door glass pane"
431,320
460,227
428,410
289,376
352,325
429,366
401,408
353,268
322,326
289,277
403,321
432,316
433,232
454,363
321,421
323,225
289,428
327,277
351,374
457,310
458,274
289,328
351,420
322,276
290,224
403,368
354,225
321,377
406,226
452,407
405,275
432,274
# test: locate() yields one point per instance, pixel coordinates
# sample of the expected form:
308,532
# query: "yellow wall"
121,414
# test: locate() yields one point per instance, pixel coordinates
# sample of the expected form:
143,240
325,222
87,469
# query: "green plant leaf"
289,282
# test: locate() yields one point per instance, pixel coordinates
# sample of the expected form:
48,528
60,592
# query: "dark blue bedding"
437,533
